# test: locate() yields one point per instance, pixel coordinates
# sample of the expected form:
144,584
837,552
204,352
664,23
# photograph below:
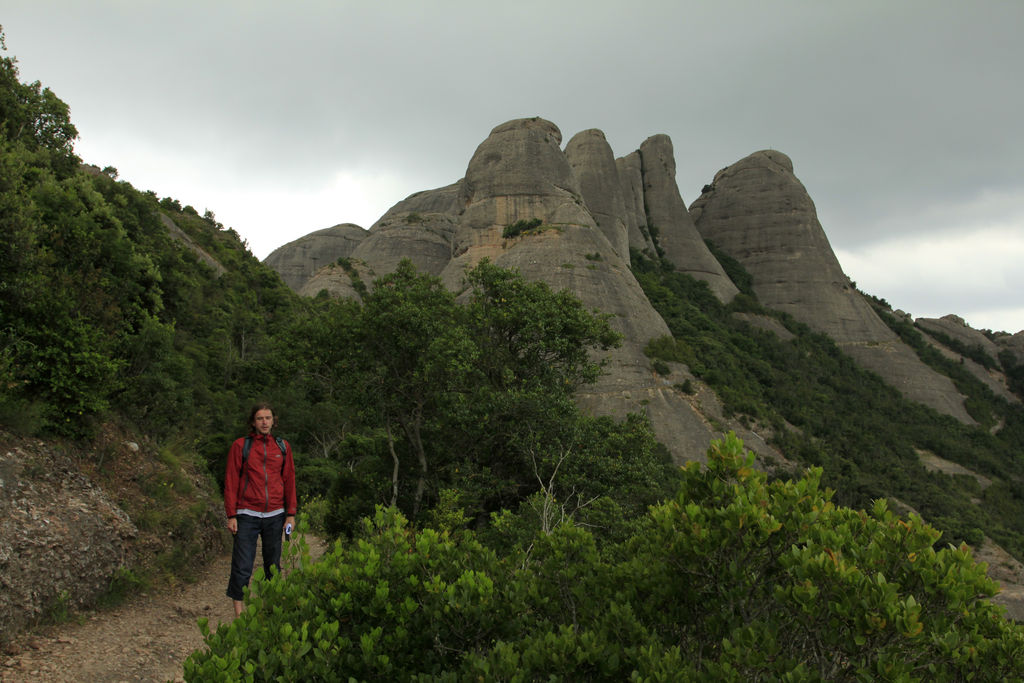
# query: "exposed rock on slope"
180,235
63,537
76,515
590,210
759,213
667,213
591,158
520,173
955,329
1014,344
345,282
298,260
631,178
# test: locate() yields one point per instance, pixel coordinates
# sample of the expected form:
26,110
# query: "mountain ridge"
590,207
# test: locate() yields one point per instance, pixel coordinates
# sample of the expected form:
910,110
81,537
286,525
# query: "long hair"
257,408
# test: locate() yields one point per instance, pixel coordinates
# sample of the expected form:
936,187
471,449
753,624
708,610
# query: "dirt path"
146,639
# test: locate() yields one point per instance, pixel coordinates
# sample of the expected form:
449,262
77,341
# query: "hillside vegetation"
822,409
490,529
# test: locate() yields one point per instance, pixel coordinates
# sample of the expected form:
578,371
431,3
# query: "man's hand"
233,525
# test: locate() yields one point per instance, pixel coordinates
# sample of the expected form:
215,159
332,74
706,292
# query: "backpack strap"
246,447
281,444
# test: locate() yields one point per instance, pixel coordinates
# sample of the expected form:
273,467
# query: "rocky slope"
758,212
298,260
593,209
76,522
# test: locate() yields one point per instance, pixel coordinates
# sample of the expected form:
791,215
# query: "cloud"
902,119
285,215
975,273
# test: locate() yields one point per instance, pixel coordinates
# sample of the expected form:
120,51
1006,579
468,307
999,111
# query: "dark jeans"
243,555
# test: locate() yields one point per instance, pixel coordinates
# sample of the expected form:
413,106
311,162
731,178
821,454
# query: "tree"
33,116
534,336
453,395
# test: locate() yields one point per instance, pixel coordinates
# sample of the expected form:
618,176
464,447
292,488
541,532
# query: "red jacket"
268,482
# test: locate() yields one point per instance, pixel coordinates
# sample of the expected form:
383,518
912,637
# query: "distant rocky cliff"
589,210
760,214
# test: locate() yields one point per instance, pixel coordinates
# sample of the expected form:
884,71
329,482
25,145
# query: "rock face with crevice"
631,179
760,214
667,214
590,156
520,173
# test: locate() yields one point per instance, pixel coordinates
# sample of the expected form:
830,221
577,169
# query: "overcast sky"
904,120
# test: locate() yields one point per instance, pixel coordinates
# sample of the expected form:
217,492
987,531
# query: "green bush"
734,578
519,227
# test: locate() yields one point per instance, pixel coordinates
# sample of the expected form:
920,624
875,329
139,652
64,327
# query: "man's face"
263,422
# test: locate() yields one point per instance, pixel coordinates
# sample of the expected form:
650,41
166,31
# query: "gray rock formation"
520,173
957,329
759,213
667,214
953,327
420,228
631,179
592,209
591,158
1014,343
297,261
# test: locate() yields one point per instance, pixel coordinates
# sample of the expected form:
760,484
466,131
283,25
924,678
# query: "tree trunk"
421,456
394,469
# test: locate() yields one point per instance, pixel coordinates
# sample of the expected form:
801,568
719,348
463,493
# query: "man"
259,499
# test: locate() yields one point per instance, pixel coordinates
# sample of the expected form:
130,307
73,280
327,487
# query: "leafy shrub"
519,227
734,578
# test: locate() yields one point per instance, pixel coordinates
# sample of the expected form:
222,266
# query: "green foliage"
101,310
823,410
734,578
734,269
467,400
34,118
125,584
974,352
1014,371
353,274
520,227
